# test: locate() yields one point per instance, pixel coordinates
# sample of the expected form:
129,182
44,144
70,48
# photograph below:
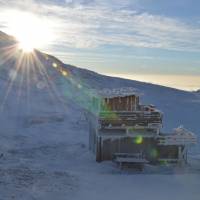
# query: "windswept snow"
44,136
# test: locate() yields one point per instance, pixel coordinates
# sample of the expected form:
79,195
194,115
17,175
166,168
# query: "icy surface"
44,137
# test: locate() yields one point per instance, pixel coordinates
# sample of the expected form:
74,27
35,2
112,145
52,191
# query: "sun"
25,46
31,31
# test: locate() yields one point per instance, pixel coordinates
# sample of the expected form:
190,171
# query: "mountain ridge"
44,152
180,107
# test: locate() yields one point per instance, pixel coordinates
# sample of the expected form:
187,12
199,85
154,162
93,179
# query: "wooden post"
136,99
127,105
180,156
98,149
131,103
185,155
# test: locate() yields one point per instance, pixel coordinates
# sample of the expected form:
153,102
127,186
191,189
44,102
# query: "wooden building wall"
128,103
110,146
106,147
168,152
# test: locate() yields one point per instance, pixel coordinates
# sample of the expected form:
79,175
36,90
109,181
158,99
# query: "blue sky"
156,37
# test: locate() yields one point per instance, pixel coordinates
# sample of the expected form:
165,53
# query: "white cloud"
92,23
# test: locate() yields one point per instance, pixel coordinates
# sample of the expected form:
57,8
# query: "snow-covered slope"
44,133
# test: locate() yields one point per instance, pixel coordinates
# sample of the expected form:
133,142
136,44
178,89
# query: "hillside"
44,133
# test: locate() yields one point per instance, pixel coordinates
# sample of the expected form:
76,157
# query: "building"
123,130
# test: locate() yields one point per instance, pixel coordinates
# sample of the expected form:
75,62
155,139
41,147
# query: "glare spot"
64,73
79,86
41,85
13,74
138,139
154,153
54,65
163,162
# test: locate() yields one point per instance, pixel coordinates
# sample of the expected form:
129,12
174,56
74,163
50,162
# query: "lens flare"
154,153
64,73
54,65
138,139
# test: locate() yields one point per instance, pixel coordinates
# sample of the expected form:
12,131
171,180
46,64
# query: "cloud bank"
95,23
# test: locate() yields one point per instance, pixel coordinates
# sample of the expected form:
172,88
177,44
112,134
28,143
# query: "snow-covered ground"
44,136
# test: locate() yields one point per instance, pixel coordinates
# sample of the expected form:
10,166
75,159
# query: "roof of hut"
118,92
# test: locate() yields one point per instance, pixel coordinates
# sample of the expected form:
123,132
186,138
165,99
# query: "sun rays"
28,71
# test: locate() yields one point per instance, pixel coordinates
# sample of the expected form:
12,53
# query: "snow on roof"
184,132
118,92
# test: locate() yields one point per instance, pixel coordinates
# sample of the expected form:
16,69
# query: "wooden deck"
129,158
134,160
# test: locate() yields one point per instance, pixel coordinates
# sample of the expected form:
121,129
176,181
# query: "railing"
129,113
128,119
181,136
177,140
129,158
